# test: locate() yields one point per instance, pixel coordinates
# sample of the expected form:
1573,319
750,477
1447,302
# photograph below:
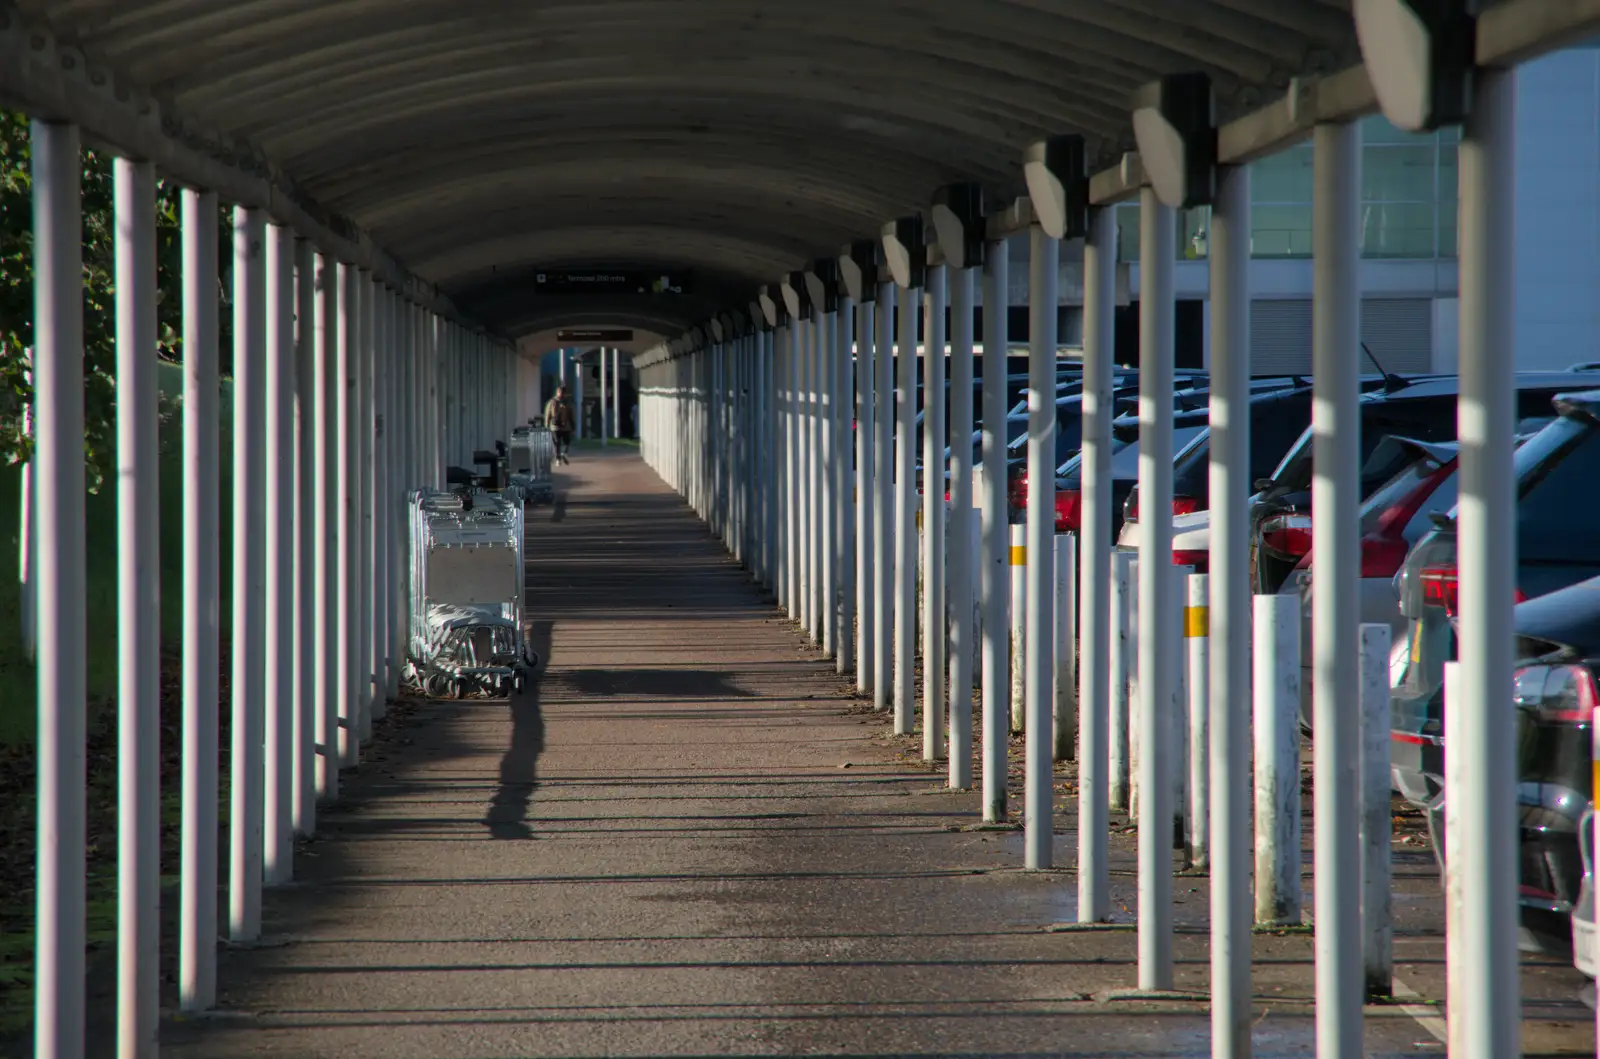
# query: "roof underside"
479,140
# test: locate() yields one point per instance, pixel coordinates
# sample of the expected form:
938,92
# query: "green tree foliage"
99,303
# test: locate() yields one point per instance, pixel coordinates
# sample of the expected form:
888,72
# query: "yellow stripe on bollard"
1196,622
1019,555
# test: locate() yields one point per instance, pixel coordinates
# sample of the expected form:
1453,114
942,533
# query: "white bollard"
975,536
1019,599
1066,675
1276,703
1197,640
1132,692
1178,741
1456,966
1118,775
1377,826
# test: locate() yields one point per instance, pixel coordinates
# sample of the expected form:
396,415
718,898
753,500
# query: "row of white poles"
792,388
345,397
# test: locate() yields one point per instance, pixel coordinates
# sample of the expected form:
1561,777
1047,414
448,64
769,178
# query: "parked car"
1555,692
1124,476
1424,410
1558,514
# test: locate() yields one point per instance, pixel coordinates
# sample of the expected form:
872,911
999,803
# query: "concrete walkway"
689,839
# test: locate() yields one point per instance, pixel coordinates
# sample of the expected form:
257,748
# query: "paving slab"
688,837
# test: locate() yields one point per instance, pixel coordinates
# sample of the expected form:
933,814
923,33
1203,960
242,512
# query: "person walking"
560,417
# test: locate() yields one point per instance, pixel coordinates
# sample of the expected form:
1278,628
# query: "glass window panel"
1194,233
1377,129
1404,229
1397,174
1283,177
1449,177
1447,234
1281,231
1128,232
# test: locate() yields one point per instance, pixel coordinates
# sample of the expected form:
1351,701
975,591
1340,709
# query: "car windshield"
1125,454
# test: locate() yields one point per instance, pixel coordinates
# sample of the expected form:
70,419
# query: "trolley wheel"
437,686
458,688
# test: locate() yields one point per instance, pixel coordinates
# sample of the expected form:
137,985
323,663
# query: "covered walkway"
690,838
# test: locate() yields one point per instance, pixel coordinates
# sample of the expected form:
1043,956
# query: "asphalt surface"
689,838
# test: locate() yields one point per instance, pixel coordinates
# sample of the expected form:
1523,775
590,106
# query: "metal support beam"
1335,576
1230,618
934,628
58,463
202,591
349,457
1044,268
305,538
868,675
248,643
325,563
844,497
138,616
1481,871
995,583
278,483
1157,595
905,509
883,502
962,576
1094,564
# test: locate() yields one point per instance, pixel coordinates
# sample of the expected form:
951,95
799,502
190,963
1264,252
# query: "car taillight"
1181,505
1440,589
1558,694
947,496
1287,536
1017,492
1069,510
1200,559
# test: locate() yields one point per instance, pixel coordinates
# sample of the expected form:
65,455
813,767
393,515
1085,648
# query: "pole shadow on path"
507,817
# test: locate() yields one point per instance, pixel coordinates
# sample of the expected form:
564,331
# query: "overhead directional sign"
592,334
610,281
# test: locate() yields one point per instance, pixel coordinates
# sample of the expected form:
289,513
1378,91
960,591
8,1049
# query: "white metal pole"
812,331
202,585
1487,1021
844,496
1094,567
1276,705
278,484
822,327
305,526
962,574
616,392
995,584
248,644
868,675
349,339
1157,251
59,895
905,509
793,352
139,616
1335,577
605,379
1377,825
1197,651
1064,695
934,618
1044,267
325,564
366,686
1229,618
377,497
883,484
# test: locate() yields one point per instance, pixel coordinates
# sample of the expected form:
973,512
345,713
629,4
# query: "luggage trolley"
467,635
532,459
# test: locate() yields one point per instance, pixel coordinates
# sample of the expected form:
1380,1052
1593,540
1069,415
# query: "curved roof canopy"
480,141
